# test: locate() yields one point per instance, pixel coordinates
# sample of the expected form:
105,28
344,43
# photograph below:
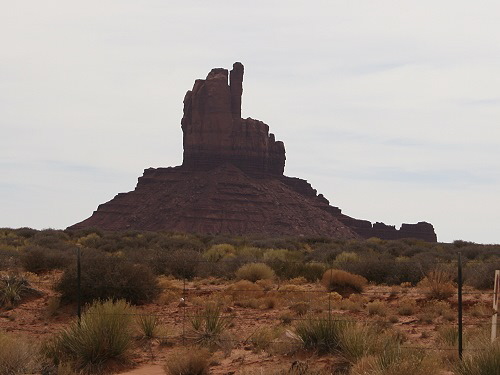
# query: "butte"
231,181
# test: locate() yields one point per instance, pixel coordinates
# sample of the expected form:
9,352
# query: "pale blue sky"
388,108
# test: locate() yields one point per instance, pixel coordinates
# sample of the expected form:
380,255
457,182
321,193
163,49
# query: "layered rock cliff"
231,180
214,132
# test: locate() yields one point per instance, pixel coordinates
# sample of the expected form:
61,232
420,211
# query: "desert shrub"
17,356
262,338
93,240
377,308
188,361
343,282
218,252
9,258
438,284
148,325
300,308
286,318
51,239
254,272
103,333
481,362
37,259
245,289
407,307
170,290
181,242
356,341
351,305
448,335
397,362
347,257
384,269
208,326
26,232
481,275
289,270
276,243
183,264
104,277
13,287
321,333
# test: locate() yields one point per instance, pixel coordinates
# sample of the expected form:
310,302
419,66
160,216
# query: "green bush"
312,272
104,277
255,271
104,333
218,252
37,259
384,269
183,264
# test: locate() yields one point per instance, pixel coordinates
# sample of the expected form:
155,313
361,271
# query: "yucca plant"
103,333
148,325
208,326
356,341
322,333
12,288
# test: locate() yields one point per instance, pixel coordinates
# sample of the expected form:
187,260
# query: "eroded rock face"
231,181
215,133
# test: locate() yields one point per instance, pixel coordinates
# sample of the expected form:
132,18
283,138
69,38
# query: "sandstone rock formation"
231,180
215,133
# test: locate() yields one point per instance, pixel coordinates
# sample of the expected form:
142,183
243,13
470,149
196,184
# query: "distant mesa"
231,181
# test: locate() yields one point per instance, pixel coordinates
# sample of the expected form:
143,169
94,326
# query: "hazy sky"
391,109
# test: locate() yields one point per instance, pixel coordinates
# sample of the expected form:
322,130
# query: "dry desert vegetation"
180,304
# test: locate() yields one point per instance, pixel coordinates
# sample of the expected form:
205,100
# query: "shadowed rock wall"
231,180
214,132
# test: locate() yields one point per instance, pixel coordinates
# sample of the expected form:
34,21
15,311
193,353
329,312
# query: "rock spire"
214,132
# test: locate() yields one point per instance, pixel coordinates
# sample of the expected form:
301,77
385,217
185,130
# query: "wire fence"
272,305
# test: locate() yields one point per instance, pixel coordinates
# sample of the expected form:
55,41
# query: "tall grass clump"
255,271
322,333
356,341
438,284
17,356
103,333
343,282
481,362
209,325
397,362
188,361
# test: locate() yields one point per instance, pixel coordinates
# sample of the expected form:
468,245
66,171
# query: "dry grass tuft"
438,284
17,356
188,361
